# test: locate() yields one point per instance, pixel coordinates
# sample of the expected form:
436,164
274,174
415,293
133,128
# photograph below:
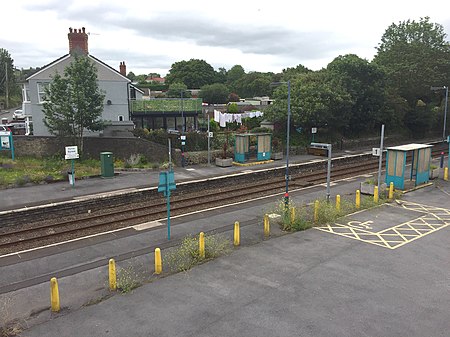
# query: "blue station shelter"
396,160
242,150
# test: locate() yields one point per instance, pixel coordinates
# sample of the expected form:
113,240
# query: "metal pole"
209,153
6,86
328,172
381,157
168,207
170,154
182,131
445,112
286,195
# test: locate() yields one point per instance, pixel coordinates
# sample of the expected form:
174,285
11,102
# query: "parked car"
18,114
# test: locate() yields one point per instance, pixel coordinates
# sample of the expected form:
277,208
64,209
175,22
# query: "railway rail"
37,233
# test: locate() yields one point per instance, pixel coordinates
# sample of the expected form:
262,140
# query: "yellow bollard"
338,203
158,261
201,245
292,215
446,174
54,295
358,199
266,225
375,194
391,190
316,210
237,234
112,275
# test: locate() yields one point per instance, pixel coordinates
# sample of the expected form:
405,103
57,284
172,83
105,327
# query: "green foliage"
216,93
167,105
365,84
154,86
233,108
186,256
74,102
253,84
128,279
178,90
8,80
193,73
415,55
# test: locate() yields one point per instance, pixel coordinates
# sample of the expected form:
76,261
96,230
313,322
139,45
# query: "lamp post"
288,126
445,107
183,137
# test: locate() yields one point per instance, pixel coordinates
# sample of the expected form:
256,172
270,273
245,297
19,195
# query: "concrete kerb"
31,306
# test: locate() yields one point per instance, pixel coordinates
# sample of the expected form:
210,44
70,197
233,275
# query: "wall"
122,148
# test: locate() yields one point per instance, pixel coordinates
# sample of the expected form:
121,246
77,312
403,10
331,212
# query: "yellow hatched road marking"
394,237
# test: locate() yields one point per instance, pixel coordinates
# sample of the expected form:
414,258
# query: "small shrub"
127,279
186,255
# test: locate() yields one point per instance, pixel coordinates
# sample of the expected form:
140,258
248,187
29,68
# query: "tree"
175,90
74,101
193,73
7,76
365,83
235,73
254,84
415,56
233,97
214,93
316,101
131,76
291,73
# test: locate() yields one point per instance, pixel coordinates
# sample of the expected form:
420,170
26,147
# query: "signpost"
166,184
313,131
72,153
328,147
6,142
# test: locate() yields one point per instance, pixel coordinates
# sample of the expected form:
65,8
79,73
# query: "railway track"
31,235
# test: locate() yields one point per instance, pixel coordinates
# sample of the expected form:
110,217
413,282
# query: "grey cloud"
204,31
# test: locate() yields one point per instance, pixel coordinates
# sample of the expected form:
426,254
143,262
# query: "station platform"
27,196
381,271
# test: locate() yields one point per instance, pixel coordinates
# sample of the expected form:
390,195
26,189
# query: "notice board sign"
72,152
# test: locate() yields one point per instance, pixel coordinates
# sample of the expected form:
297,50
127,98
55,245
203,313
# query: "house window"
120,118
41,91
25,94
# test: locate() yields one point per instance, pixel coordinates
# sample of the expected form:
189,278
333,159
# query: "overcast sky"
263,35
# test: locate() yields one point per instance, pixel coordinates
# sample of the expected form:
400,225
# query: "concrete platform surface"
382,272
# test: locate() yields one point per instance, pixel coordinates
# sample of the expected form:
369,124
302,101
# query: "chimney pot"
123,68
78,41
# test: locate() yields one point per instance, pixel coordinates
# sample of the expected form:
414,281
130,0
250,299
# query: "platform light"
286,194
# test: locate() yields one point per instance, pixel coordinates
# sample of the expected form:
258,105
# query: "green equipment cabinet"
107,163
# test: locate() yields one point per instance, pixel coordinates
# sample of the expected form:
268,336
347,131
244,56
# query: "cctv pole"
6,86
381,157
209,153
445,112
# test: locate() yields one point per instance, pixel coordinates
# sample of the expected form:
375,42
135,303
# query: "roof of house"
66,57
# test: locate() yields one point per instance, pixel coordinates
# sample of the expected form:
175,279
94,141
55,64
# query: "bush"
187,255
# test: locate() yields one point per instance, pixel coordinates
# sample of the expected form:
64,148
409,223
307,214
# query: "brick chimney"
78,41
123,68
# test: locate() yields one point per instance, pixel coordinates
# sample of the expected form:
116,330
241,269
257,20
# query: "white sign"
72,152
210,134
376,151
313,130
5,142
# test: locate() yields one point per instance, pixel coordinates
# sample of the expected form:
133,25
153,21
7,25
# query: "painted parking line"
432,219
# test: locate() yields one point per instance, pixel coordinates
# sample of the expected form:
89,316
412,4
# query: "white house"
117,88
